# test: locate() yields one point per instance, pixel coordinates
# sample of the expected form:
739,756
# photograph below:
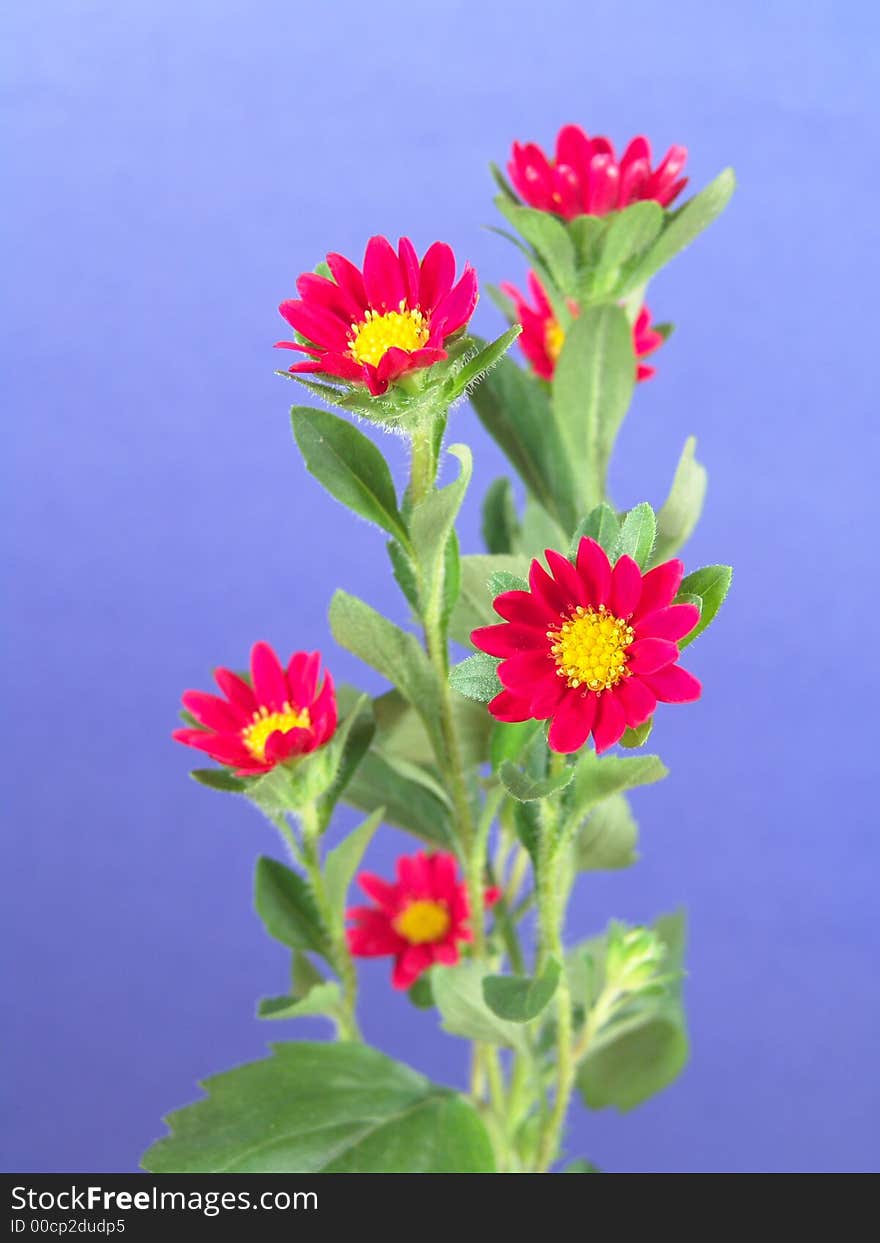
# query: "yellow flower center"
406,329
554,337
590,648
265,723
423,921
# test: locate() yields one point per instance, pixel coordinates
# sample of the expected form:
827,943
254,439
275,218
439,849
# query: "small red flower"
590,647
542,335
374,326
586,178
420,920
283,713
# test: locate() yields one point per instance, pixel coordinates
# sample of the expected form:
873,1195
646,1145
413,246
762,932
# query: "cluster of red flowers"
590,647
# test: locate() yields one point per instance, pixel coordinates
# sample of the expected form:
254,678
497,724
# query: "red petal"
236,690
637,701
572,723
626,587
522,607
349,278
610,721
436,275
674,685
547,590
568,579
409,966
409,267
383,278
217,714
270,684
506,706
521,672
595,570
506,639
659,587
381,891
316,323
454,311
649,655
316,290
673,622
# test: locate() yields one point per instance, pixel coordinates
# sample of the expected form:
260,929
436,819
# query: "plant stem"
334,923
550,917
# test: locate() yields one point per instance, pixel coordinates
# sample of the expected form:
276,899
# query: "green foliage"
607,840
219,779
519,999
628,235
474,605
597,777
640,1044
601,524
711,584
410,803
681,510
592,388
527,789
480,364
431,526
508,739
515,409
632,738
349,466
681,228
500,523
344,860
328,1108
323,999
548,238
476,677
458,994
286,904
637,534
393,652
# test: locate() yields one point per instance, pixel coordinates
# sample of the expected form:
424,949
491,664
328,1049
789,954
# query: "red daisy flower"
586,178
590,647
374,326
420,920
283,713
542,335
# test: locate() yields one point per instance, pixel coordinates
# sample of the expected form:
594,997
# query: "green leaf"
478,367
476,677
645,1048
637,534
592,387
514,408
631,738
285,903
431,524
323,999
600,524
711,584
528,789
324,1108
508,739
519,999
502,183
451,576
343,861
500,523
404,573
458,994
598,777
402,735
502,581
408,803
393,652
681,511
588,233
421,994
629,233
607,840
682,226
218,779
540,530
349,466
350,744
549,238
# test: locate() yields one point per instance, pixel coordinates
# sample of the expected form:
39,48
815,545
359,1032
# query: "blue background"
171,169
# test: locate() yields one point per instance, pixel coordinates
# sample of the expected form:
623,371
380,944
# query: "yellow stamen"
265,723
423,921
406,329
554,337
590,648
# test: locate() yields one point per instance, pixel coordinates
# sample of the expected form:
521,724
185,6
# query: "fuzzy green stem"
333,921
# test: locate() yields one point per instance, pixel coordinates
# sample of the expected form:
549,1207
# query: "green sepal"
480,364
219,779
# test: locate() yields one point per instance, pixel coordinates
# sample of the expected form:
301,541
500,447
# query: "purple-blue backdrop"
171,169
